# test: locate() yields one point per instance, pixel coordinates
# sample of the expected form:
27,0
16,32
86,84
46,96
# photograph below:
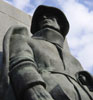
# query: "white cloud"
8,2
21,3
26,5
86,56
18,3
35,3
88,2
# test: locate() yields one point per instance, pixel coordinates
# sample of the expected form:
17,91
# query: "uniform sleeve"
23,69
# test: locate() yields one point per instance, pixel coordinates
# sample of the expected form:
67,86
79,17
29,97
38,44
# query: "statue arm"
23,73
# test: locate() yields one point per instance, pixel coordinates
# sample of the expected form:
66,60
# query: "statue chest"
47,58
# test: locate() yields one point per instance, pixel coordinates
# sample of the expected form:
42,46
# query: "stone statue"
38,66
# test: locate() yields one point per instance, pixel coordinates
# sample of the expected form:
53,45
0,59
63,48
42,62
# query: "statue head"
47,16
49,20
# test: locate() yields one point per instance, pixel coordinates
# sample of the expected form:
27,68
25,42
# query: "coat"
41,60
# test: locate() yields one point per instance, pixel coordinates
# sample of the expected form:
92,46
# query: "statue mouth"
46,21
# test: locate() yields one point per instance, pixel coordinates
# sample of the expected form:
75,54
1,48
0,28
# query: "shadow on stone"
1,55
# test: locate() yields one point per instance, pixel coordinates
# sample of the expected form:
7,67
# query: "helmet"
42,10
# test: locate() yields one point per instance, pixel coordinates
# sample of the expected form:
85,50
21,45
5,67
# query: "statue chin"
50,27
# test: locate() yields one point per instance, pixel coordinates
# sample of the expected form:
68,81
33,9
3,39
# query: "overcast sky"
80,17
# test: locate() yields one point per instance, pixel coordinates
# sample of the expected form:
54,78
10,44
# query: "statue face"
49,21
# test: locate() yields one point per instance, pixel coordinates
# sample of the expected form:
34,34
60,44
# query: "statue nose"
44,17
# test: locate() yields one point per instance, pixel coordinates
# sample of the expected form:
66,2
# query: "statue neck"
50,35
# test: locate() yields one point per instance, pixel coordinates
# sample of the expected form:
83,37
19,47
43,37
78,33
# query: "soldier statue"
38,66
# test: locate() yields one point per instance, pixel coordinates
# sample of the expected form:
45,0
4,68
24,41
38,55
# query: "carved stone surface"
40,67
9,16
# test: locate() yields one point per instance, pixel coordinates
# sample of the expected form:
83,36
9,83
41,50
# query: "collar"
50,35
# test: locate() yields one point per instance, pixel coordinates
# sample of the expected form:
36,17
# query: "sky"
80,16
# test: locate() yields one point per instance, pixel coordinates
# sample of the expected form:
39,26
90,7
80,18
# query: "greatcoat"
41,60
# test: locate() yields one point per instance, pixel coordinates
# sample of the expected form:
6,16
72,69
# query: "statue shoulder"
69,57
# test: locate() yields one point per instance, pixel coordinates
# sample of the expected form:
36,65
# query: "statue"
39,68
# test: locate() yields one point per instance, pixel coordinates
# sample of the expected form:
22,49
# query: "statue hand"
37,93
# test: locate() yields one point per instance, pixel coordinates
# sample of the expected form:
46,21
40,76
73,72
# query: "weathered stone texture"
9,16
